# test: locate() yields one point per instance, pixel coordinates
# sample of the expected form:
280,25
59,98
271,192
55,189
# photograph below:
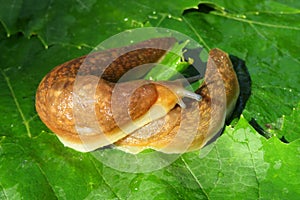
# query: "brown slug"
78,107
87,112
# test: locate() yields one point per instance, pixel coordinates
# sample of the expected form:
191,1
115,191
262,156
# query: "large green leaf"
35,36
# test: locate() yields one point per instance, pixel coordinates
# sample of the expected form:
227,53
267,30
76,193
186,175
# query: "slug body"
79,107
83,103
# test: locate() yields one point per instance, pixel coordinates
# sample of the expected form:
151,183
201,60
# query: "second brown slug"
81,109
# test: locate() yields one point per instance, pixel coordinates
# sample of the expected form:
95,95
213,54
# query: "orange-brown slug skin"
76,104
85,105
219,93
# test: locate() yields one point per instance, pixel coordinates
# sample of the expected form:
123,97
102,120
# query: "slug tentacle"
182,92
177,87
186,93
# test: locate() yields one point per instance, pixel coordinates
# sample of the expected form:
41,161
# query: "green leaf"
35,36
243,162
172,63
252,33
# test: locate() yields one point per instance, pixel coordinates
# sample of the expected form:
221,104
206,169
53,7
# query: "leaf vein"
106,183
196,33
254,22
194,177
5,28
220,168
254,169
25,122
274,13
5,195
47,180
272,43
82,5
163,17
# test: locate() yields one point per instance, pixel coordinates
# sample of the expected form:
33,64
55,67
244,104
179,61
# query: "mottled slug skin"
55,94
219,93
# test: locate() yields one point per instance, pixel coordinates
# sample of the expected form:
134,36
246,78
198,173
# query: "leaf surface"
35,36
